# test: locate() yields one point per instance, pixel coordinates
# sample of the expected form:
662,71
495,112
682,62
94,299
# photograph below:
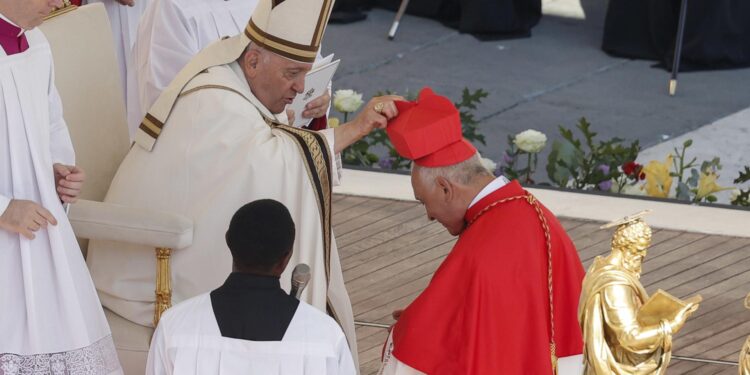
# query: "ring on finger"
379,107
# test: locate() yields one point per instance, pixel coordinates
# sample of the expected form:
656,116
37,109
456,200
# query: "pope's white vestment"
172,32
215,153
188,342
51,320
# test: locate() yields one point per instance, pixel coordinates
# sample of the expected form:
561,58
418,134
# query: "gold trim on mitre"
293,51
290,28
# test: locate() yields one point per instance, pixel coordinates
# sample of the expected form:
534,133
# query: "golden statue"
745,352
624,331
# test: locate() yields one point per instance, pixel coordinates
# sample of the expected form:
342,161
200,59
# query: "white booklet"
317,81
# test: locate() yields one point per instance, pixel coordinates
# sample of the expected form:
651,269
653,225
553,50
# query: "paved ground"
389,252
555,77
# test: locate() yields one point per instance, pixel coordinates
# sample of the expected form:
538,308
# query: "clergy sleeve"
335,161
158,362
4,202
61,147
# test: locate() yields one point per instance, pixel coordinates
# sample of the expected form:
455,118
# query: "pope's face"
29,14
277,80
438,196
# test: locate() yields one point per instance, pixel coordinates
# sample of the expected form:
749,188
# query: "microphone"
300,278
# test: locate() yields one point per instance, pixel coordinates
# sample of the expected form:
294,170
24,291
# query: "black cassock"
717,32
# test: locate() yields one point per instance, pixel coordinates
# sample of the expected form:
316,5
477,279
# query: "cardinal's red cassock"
486,310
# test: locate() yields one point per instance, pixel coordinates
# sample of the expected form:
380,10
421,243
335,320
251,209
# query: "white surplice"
215,153
51,318
172,32
188,342
124,22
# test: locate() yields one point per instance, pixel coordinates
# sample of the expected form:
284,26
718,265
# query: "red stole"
10,39
486,309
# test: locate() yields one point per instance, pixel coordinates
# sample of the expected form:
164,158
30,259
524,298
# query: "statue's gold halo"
626,219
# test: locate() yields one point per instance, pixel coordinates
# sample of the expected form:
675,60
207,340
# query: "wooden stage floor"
389,251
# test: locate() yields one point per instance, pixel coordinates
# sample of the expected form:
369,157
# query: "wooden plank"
359,210
686,268
381,229
395,250
570,224
348,201
386,210
420,263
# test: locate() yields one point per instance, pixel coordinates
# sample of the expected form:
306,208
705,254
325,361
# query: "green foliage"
466,107
743,198
588,163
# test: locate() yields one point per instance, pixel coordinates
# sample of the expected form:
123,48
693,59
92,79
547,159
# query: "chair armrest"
113,222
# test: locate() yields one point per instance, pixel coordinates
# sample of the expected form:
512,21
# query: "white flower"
631,189
530,141
734,195
347,101
489,164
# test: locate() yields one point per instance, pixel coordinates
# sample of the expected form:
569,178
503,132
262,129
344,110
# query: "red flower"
632,168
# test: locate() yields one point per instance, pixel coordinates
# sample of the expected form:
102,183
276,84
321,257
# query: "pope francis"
215,140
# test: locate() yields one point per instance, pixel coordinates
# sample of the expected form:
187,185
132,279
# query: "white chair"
88,80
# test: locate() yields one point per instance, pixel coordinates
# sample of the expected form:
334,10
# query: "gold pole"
163,283
65,8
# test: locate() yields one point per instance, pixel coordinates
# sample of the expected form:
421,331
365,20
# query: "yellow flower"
707,185
658,180
333,122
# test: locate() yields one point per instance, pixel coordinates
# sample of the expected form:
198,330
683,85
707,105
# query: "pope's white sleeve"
4,202
158,361
61,147
336,161
346,363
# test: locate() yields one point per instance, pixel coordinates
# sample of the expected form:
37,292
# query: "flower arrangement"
574,162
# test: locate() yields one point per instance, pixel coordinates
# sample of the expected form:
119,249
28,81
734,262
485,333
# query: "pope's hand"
25,217
318,107
376,113
68,182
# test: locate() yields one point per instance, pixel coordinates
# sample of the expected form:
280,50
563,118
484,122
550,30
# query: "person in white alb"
217,138
51,320
249,325
170,34
124,16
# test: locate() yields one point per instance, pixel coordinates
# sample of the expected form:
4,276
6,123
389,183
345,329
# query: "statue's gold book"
663,306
